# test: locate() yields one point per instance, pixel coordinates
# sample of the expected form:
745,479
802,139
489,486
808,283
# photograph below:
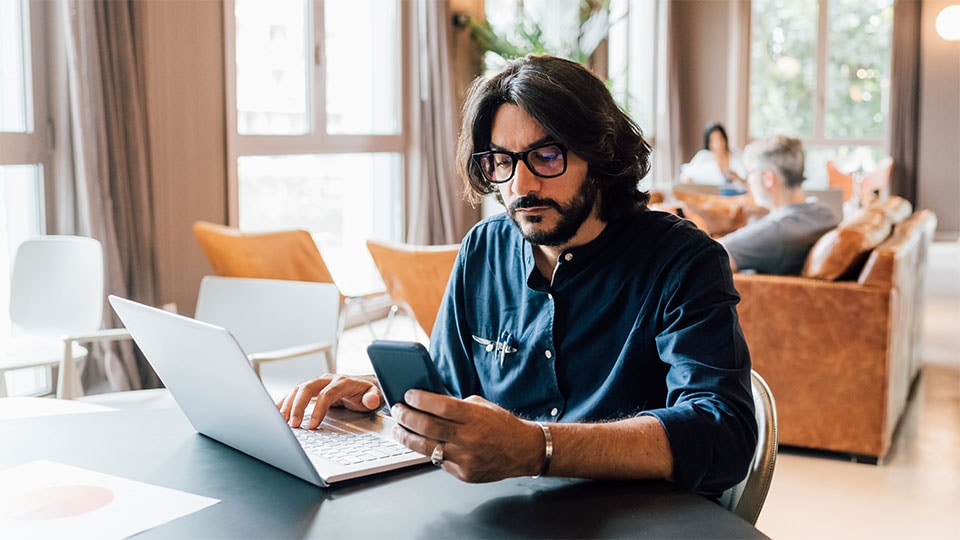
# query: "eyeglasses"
546,161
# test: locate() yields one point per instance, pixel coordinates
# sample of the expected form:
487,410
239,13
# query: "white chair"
274,319
56,303
746,498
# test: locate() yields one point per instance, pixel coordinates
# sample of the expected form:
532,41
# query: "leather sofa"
839,345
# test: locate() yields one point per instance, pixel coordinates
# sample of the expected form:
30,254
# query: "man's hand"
354,393
482,442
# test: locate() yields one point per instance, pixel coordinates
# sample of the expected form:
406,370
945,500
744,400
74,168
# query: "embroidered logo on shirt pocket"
500,347
488,345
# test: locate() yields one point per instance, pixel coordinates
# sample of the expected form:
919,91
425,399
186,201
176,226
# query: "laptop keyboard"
346,447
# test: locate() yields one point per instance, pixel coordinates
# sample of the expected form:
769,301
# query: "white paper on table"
45,499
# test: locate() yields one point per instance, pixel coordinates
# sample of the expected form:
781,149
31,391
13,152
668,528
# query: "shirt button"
550,296
548,354
554,411
568,257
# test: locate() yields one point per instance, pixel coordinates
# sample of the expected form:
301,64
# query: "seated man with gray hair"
778,242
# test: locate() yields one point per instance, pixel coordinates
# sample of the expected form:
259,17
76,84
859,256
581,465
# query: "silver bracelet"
547,451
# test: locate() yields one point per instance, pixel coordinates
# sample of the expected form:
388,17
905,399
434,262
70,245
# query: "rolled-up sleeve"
709,415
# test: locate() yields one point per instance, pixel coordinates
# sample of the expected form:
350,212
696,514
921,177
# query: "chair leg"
393,312
366,318
363,312
331,361
66,387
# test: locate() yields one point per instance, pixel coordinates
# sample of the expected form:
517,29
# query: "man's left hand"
481,442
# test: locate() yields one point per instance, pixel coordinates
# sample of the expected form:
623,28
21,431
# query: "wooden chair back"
288,254
840,180
415,276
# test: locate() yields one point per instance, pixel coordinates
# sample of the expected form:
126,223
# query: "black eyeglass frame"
516,157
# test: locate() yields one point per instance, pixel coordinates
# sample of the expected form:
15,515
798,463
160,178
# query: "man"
583,335
778,242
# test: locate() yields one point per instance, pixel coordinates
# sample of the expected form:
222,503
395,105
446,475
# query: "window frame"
818,138
316,141
34,147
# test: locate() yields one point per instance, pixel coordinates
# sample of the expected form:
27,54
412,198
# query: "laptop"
212,381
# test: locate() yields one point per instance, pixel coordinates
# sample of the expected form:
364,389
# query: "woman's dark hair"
574,107
711,127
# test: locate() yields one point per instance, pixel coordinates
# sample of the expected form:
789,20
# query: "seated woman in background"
716,163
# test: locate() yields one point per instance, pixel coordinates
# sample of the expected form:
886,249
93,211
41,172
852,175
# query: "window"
24,150
632,64
820,71
316,127
632,60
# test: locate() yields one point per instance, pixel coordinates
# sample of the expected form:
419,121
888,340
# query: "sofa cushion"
841,252
895,208
879,270
721,214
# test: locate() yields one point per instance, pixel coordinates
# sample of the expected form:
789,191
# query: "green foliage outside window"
858,69
571,29
783,57
783,67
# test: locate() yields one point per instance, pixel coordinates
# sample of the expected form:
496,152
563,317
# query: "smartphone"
402,365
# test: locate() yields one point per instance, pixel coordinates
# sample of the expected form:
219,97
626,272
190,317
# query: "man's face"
548,211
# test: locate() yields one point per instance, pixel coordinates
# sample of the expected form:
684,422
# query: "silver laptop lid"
212,381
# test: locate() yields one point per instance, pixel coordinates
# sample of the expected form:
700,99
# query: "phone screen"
402,365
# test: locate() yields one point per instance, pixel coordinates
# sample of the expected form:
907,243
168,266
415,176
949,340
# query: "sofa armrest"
823,348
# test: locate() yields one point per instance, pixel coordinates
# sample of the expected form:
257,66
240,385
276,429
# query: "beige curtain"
666,153
904,98
436,212
107,196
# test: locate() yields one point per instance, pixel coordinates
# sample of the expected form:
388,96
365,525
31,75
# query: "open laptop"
212,381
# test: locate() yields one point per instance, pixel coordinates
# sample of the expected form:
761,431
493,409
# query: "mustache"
528,201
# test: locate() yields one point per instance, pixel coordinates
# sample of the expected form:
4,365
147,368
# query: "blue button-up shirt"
642,320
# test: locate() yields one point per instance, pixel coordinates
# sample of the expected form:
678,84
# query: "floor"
915,493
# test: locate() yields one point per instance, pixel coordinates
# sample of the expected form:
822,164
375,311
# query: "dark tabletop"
258,501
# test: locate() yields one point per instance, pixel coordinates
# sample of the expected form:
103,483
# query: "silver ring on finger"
437,456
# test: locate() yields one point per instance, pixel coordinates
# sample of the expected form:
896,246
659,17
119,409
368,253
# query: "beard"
572,216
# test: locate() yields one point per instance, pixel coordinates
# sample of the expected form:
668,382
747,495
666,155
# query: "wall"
938,169
707,73
185,107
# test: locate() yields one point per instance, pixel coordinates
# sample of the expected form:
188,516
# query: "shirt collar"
575,256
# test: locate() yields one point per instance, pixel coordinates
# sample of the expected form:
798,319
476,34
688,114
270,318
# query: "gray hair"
783,155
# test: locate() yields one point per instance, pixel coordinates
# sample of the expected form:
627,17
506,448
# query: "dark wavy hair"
714,126
576,109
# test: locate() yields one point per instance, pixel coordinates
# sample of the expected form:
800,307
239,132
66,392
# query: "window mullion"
318,101
308,144
822,54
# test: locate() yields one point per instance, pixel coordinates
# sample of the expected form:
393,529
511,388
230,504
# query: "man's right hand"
354,393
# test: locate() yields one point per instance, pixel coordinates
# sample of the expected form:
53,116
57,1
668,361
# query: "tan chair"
416,276
875,185
840,180
746,498
289,254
